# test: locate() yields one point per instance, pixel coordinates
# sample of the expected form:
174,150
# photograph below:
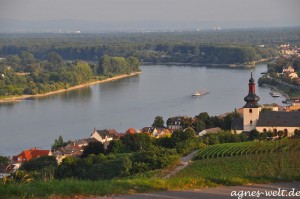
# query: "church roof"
251,99
251,105
279,119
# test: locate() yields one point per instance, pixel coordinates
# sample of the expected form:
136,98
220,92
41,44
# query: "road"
223,192
184,161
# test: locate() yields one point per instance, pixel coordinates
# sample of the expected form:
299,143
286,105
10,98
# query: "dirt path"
224,192
184,161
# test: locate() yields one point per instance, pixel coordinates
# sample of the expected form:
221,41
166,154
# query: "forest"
202,47
23,74
37,63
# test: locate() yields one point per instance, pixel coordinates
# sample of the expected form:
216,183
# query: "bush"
109,169
93,148
156,158
39,163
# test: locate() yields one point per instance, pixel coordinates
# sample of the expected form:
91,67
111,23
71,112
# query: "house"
105,135
288,69
84,142
74,148
273,107
274,121
152,131
293,108
29,154
131,131
163,132
293,75
175,123
290,72
210,131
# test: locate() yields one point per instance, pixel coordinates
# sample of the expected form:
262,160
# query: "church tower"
251,109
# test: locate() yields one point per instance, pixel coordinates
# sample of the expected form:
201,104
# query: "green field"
244,165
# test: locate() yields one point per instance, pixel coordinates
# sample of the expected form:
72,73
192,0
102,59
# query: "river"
130,102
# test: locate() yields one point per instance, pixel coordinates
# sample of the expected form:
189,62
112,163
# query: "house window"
250,110
250,121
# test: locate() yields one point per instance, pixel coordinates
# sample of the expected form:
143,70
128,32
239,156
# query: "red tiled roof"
30,154
130,131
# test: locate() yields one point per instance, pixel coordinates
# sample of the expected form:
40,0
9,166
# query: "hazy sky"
272,12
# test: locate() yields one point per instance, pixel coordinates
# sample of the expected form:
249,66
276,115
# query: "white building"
253,118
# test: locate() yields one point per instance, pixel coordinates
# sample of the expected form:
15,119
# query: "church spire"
251,99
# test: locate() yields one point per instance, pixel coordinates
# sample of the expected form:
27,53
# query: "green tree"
58,143
40,163
203,116
26,58
83,72
93,148
253,135
166,142
135,142
187,122
54,58
182,135
4,161
198,125
115,146
158,122
54,63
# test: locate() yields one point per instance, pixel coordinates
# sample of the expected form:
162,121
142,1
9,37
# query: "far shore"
22,97
232,65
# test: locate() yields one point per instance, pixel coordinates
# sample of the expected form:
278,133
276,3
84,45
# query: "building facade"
263,121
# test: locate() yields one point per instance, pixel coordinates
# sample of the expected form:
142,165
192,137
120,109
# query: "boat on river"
274,94
200,93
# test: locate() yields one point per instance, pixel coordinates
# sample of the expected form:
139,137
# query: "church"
264,121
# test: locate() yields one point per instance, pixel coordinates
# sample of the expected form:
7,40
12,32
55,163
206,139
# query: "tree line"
224,47
25,74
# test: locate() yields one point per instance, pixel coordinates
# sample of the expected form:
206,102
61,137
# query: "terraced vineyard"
246,148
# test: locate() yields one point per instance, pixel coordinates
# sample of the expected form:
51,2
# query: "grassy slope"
240,170
258,168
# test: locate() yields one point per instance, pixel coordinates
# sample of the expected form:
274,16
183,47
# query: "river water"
130,102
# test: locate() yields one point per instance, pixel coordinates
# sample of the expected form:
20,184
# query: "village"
269,121
272,120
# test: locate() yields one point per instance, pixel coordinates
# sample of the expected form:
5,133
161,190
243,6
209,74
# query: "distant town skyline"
197,13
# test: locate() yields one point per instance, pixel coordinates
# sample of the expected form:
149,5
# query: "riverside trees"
24,74
110,66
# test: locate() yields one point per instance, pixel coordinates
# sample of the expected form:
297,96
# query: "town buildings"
30,154
263,121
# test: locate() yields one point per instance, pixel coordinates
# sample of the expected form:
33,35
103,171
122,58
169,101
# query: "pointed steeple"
251,99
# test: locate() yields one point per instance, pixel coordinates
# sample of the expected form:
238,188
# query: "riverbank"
23,97
199,64
232,65
287,97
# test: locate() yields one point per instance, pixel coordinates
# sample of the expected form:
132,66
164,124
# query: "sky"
216,12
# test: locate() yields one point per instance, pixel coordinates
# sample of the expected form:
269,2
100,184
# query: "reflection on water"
131,102
83,95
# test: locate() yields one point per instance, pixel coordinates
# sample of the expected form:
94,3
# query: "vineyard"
245,162
246,148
